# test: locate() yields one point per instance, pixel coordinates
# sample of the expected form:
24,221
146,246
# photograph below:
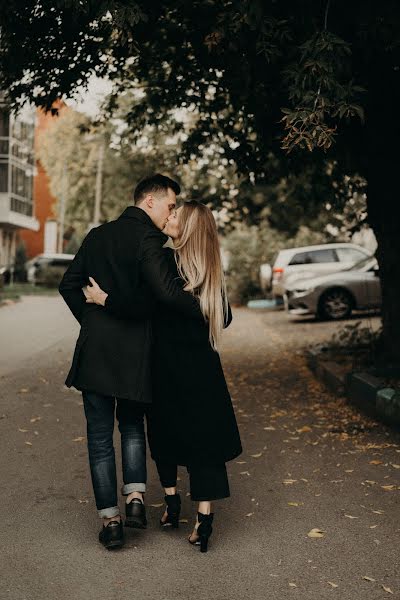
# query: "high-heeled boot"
173,511
203,531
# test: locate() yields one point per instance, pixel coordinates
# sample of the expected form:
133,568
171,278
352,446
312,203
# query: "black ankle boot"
173,511
203,531
135,512
112,535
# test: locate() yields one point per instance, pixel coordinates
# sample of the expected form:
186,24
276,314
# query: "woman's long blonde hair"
198,258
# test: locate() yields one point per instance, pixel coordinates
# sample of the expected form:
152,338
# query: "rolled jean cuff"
128,488
108,513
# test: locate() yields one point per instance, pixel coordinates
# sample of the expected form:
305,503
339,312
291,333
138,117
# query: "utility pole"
99,182
63,201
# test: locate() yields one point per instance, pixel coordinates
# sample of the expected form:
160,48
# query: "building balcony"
17,213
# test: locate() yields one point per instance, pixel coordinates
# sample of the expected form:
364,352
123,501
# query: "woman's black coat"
191,420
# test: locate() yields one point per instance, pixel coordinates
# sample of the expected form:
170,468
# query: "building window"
3,177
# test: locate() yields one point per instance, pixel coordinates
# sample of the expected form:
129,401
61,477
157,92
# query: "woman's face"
172,226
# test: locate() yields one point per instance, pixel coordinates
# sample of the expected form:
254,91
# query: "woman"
192,422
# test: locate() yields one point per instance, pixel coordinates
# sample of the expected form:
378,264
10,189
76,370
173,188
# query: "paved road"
309,462
31,326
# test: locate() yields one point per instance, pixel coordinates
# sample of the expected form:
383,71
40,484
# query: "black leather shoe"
135,513
112,535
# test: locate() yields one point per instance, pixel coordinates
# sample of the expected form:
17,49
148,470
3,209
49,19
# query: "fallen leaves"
334,585
316,533
289,481
34,419
256,455
305,429
387,589
350,517
369,578
79,439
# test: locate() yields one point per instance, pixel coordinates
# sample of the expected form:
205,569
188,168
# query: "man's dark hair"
154,184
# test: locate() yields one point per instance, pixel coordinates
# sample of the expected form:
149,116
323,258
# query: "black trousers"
207,482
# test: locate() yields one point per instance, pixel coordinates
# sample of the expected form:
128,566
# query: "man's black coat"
112,354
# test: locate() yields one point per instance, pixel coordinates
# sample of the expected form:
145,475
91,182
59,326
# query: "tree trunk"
384,217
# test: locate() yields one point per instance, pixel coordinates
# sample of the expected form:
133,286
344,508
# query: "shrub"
249,246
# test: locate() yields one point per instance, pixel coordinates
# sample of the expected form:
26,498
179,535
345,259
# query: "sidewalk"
309,462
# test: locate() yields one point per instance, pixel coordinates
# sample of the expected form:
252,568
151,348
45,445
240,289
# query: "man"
111,363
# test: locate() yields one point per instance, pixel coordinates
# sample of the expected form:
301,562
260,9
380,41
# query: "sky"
88,101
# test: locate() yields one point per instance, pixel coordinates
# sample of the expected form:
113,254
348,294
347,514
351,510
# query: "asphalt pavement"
314,511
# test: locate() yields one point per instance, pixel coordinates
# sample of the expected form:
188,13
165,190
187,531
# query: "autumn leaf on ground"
295,503
378,512
350,517
183,521
304,429
245,473
249,514
289,481
24,390
23,430
293,585
387,589
84,501
368,578
375,462
256,455
334,585
34,419
316,533
157,505
395,466
28,443
270,428
388,488
241,462
79,439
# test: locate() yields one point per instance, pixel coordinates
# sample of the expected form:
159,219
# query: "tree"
281,86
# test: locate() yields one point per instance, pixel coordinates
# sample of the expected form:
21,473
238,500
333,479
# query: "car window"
301,258
361,264
349,254
323,256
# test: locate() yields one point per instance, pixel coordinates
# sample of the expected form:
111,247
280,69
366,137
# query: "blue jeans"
99,411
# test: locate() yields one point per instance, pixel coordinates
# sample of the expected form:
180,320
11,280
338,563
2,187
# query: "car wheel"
335,304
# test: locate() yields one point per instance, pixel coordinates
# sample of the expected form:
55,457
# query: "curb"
363,390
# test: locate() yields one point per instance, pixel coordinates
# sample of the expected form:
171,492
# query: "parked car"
47,268
336,295
5,275
308,261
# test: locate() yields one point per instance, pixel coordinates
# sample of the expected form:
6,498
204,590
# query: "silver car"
336,295
308,261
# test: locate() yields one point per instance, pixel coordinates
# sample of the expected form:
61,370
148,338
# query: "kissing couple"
151,321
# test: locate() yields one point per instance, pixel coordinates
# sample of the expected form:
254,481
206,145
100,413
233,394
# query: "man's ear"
149,201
